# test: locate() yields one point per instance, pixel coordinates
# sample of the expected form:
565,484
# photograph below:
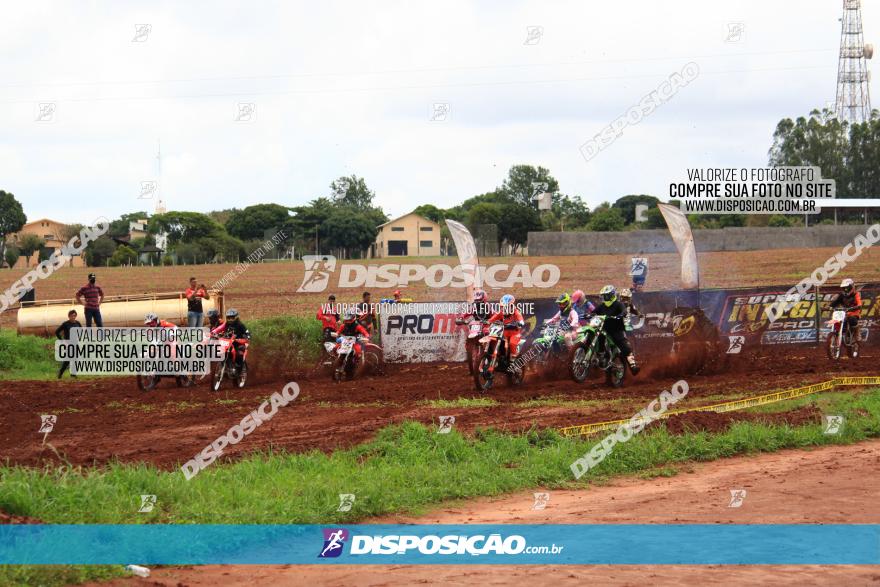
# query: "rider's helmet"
564,303
847,285
480,296
151,319
577,297
397,294
231,315
350,317
609,294
508,304
626,295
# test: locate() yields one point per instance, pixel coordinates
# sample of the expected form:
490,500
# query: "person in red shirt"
329,318
93,295
351,326
513,324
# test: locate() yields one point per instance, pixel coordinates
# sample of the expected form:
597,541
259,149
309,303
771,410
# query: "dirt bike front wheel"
832,346
579,364
147,382
217,373
483,379
241,375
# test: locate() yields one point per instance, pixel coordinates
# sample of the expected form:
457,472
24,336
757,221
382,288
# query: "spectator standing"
195,314
63,333
91,296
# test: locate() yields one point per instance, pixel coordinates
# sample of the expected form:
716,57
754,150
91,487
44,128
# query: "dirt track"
104,419
838,484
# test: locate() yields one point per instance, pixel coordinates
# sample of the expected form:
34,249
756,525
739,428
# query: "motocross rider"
615,314
351,326
567,317
851,301
329,319
235,327
631,310
478,309
584,307
152,320
513,324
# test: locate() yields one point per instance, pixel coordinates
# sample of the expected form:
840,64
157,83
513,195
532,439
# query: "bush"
778,220
12,254
167,261
608,220
123,255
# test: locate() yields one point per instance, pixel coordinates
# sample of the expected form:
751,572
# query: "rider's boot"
633,366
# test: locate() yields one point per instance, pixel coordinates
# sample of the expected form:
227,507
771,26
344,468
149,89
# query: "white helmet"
150,318
847,285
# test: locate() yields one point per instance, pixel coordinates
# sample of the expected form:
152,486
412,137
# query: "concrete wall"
720,239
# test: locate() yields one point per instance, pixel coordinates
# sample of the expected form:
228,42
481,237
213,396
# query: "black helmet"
232,314
213,313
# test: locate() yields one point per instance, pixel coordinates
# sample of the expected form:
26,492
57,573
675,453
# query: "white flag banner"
680,229
467,254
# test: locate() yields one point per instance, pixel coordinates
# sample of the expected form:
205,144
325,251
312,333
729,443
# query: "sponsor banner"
636,544
735,318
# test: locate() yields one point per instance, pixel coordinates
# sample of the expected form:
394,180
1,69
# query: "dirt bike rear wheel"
616,372
185,380
148,382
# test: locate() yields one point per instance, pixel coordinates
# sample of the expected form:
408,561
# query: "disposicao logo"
334,540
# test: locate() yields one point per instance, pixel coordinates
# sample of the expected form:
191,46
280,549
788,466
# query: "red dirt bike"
477,329
149,381
495,357
841,335
228,366
348,363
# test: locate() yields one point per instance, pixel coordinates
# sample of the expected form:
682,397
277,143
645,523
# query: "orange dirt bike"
149,381
494,358
348,363
229,366
477,329
841,336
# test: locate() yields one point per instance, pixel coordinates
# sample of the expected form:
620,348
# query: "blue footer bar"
627,544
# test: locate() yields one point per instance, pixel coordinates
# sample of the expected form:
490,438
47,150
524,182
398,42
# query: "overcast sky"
350,87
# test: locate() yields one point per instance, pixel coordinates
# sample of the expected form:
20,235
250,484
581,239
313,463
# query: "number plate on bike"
345,345
838,315
476,329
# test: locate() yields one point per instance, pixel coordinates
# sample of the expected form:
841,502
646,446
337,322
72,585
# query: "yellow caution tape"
740,404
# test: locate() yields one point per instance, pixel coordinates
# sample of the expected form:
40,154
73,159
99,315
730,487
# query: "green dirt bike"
593,349
550,350
494,359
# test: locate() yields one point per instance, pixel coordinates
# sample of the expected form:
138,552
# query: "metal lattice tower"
853,102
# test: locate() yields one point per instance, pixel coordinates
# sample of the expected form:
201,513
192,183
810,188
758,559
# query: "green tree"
627,205
254,221
654,218
352,191
12,218
350,231
431,212
11,255
778,220
99,251
120,226
520,185
29,244
484,213
726,220
184,227
571,212
123,255
606,220
516,223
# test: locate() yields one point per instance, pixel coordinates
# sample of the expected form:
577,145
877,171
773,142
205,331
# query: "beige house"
52,232
410,235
